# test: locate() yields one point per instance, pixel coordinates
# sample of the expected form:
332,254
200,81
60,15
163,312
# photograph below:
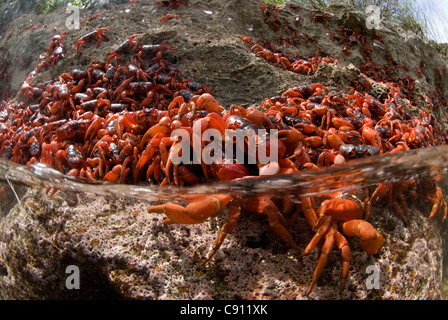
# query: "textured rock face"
124,252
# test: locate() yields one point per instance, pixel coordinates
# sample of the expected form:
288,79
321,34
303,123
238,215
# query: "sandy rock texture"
124,252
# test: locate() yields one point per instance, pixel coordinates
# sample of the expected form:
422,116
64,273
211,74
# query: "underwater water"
427,163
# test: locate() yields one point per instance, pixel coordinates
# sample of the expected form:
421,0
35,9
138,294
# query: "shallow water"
427,163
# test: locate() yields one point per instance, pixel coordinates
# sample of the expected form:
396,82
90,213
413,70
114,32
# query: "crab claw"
372,136
197,211
208,102
439,204
259,118
113,174
370,240
291,139
231,171
372,246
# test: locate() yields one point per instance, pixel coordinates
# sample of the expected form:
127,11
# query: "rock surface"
124,252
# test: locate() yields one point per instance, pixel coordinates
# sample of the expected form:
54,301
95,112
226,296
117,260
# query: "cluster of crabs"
116,120
293,40
298,63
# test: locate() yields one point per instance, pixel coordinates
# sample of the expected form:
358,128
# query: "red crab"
96,34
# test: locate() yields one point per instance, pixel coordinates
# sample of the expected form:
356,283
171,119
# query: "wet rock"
130,254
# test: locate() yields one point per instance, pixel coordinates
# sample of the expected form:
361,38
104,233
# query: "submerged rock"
123,252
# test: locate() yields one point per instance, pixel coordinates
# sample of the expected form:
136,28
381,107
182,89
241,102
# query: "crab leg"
326,250
234,217
439,204
346,255
197,211
276,220
309,211
322,230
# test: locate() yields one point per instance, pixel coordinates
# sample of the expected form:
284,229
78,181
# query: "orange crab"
169,16
439,203
96,34
344,211
201,207
396,190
